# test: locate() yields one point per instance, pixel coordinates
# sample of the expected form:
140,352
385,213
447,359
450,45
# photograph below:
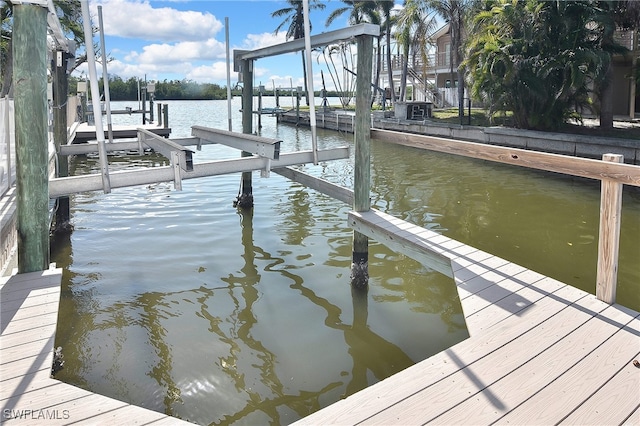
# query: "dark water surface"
174,301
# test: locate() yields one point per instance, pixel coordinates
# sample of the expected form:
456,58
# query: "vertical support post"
245,197
30,97
159,106
60,134
105,76
609,235
151,109
95,94
228,54
260,89
362,168
165,118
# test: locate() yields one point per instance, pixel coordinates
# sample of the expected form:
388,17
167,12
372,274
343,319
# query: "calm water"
176,302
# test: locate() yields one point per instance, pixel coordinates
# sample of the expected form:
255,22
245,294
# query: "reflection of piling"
362,169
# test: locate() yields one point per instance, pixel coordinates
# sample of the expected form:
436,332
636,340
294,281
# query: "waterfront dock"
28,393
540,351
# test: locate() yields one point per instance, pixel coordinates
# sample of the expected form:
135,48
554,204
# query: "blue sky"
180,39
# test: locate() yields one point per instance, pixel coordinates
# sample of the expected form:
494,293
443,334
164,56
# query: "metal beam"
318,40
168,148
71,185
120,145
331,189
263,147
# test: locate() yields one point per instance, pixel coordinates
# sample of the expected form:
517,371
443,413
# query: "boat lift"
263,153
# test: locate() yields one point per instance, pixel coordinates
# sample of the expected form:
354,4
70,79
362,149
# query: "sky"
185,39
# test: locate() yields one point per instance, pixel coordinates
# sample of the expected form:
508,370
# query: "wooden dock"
28,394
540,351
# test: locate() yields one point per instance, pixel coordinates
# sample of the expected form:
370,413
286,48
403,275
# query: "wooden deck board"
540,351
578,383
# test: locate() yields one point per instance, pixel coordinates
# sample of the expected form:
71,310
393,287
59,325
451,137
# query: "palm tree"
385,7
294,21
414,24
453,11
361,12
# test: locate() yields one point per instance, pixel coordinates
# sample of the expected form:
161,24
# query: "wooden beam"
31,131
627,174
362,166
384,229
263,147
75,184
609,235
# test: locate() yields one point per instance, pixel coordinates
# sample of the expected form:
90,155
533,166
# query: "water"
176,302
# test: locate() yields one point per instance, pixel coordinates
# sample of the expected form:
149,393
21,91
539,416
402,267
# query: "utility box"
413,110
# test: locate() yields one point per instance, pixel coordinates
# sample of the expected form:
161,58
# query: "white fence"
7,146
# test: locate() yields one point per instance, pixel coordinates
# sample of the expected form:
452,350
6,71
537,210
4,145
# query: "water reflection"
175,302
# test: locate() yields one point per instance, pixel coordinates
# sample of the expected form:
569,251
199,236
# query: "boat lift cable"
95,95
309,77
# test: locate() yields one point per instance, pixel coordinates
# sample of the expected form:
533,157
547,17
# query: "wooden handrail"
611,171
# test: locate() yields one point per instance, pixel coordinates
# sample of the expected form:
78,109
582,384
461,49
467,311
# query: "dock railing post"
362,167
30,97
609,235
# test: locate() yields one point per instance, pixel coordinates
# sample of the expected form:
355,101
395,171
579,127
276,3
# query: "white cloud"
257,41
138,19
180,52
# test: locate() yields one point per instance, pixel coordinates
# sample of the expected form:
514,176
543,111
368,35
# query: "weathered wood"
362,166
609,235
30,88
60,134
245,197
627,174
390,233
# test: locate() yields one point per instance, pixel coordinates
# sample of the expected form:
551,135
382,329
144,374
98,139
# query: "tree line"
129,89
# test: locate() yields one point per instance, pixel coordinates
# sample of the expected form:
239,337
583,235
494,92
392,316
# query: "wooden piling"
245,197
30,97
60,136
609,235
362,168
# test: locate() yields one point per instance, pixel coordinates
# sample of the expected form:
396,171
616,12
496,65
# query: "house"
435,83
430,82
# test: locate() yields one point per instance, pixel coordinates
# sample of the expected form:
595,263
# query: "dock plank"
472,384
578,383
532,338
563,353
392,391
